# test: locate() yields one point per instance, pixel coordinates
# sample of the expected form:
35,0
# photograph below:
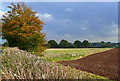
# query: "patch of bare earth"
103,63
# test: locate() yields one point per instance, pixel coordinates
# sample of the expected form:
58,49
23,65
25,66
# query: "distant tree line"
79,44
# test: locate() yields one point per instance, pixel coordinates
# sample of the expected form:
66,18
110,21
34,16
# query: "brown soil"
103,63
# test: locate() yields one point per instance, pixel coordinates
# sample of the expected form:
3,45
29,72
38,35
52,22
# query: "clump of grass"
19,64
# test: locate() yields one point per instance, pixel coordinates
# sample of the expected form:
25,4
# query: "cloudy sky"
93,21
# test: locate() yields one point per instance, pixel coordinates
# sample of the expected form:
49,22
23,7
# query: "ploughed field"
103,63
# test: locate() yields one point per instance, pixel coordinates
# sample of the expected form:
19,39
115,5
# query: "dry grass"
62,49
58,49
19,64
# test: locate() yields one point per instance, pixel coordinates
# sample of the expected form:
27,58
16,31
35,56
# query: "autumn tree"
22,28
0,28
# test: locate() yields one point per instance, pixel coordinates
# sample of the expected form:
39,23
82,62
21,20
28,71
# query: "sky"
93,21
60,0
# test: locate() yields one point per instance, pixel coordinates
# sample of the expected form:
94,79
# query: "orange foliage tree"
22,28
0,28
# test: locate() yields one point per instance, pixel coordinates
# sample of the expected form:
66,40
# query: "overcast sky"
93,21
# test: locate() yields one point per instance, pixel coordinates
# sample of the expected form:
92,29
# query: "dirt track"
103,63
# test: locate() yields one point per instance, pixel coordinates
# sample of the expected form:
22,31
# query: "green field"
70,54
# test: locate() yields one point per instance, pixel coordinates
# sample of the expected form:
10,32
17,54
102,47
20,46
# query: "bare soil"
103,64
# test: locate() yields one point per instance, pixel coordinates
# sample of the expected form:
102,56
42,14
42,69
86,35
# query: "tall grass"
19,64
